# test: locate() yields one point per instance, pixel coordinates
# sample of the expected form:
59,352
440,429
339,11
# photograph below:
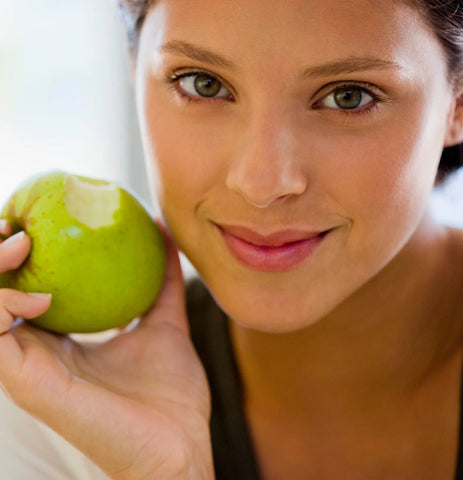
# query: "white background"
66,100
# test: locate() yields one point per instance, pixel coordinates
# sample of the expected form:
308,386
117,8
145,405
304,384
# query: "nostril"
262,177
263,202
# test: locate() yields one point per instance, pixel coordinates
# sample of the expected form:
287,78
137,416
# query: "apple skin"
100,276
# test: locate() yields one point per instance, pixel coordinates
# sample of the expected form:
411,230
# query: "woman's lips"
277,252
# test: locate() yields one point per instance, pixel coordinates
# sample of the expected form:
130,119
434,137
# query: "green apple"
95,248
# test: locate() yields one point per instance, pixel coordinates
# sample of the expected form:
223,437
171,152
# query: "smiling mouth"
276,252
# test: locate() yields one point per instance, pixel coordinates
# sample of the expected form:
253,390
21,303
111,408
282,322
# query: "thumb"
170,304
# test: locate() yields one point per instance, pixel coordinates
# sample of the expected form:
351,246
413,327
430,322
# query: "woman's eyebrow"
336,67
349,65
201,54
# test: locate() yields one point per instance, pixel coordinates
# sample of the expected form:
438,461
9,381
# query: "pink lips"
277,252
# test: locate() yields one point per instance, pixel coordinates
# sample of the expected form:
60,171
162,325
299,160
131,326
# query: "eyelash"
173,80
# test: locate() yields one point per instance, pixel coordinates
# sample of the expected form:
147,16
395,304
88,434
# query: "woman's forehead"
286,19
297,29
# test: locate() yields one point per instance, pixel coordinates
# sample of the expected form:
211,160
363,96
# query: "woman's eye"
349,97
203,85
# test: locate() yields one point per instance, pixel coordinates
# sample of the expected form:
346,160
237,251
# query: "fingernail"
17,237
45,296
3,224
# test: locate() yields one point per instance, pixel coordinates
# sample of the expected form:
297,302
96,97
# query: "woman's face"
292,144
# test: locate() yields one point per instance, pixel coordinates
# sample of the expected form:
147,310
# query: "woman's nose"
265,168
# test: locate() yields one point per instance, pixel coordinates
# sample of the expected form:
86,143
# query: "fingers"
5,229
170,304
19,304
13,251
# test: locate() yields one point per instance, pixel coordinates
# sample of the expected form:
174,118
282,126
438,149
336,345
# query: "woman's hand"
137,405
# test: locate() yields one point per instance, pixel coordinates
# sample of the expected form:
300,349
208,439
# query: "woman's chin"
271,314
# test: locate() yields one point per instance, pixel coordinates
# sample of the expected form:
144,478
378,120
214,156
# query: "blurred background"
66,99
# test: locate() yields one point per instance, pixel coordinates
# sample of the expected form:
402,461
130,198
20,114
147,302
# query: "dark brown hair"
444,16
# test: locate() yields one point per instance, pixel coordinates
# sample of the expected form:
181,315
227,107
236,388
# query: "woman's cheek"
374,184
187,151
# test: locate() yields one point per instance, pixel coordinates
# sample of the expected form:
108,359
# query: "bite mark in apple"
91,202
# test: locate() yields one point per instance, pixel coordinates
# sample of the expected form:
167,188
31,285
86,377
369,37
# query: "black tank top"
234,457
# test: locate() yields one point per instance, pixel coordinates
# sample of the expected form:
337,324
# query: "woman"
292,146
